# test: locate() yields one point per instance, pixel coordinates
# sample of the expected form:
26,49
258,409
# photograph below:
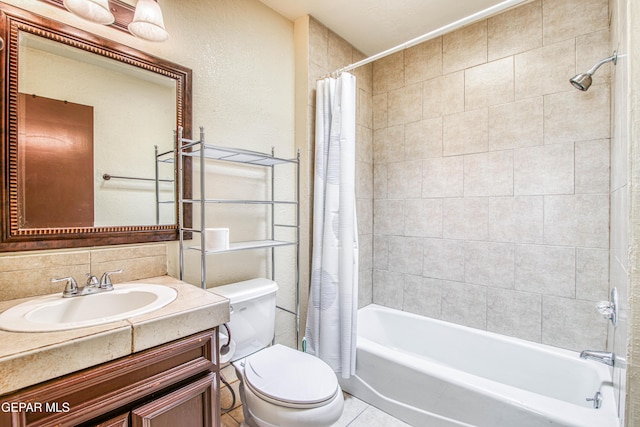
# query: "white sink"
54,313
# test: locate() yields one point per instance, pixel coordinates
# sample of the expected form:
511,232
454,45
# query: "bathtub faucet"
599,356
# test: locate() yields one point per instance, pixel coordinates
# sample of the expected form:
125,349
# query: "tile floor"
356,412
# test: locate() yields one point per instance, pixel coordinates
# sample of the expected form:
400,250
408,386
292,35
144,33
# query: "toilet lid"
290,377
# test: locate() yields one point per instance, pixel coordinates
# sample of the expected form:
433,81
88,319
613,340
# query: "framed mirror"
88,138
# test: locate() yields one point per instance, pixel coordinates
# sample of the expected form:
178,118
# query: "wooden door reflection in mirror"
55,142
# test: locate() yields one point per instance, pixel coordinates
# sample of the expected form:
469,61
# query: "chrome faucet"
599,356
92,286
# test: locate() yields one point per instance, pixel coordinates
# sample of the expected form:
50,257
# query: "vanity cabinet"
169,385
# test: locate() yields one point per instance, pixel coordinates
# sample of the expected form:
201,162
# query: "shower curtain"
333,299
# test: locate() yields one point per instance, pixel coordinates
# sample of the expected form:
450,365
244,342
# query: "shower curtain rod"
432,34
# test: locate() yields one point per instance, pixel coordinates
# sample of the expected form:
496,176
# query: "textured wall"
491,175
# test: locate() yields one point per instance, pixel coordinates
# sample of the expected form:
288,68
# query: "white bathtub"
430,373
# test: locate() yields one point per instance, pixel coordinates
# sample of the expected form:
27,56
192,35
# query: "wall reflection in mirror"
84,117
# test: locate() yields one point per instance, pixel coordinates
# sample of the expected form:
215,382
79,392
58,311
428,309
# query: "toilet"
279,386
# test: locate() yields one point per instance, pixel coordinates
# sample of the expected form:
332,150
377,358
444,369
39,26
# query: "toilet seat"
290,378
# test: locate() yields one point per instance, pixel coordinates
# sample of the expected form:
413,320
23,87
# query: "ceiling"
373,26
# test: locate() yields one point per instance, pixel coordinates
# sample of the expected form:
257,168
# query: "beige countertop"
32,357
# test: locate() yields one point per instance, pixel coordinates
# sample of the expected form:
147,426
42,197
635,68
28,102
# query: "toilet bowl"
279,386
283,387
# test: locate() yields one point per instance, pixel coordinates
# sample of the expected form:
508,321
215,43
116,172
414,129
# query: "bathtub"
430,373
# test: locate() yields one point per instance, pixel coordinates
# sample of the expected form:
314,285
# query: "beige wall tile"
423,139
365,288
443,259
127,252
364,144
318,43
364,109
388,144
466,218
514,31
516,124
476,217
30,274
380,111
571,18
465,47
405,254
31,261
464,304
364,180
364,208
454,224
388,288
381,252
592,274
592,166
561,315
547,169
423,61
577,116
388,73
516,219
545,70
580,220
591,49
37,281
340,52
364,75
489,264
422,296
488,174
133,268
423,217
466,132
404,179
443,95
442,177
380,181
548,270
513,313
489,84
405,104
389,217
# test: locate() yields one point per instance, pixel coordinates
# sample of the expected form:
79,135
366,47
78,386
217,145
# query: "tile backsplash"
30,274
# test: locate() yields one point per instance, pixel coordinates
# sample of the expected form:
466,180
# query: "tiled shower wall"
491,175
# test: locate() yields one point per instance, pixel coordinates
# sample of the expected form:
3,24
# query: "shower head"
583,81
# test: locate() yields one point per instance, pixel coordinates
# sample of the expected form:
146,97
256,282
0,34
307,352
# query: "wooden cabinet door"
194,405
121,420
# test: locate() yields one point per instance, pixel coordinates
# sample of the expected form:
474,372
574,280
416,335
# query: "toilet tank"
253,314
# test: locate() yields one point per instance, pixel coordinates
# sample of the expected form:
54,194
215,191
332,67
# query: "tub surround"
30,358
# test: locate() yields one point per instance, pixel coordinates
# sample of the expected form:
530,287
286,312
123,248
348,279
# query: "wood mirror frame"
14,238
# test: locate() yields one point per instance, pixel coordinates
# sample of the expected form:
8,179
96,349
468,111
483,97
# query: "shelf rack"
202,152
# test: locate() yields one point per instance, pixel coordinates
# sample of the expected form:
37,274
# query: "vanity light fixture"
147,22
97,11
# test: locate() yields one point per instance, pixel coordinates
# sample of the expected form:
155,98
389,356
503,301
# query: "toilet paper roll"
216,239
227,352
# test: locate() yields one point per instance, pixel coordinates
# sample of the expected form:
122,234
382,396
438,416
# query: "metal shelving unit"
202,152
167,157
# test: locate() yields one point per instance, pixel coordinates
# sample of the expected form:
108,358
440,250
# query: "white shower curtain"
333,298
